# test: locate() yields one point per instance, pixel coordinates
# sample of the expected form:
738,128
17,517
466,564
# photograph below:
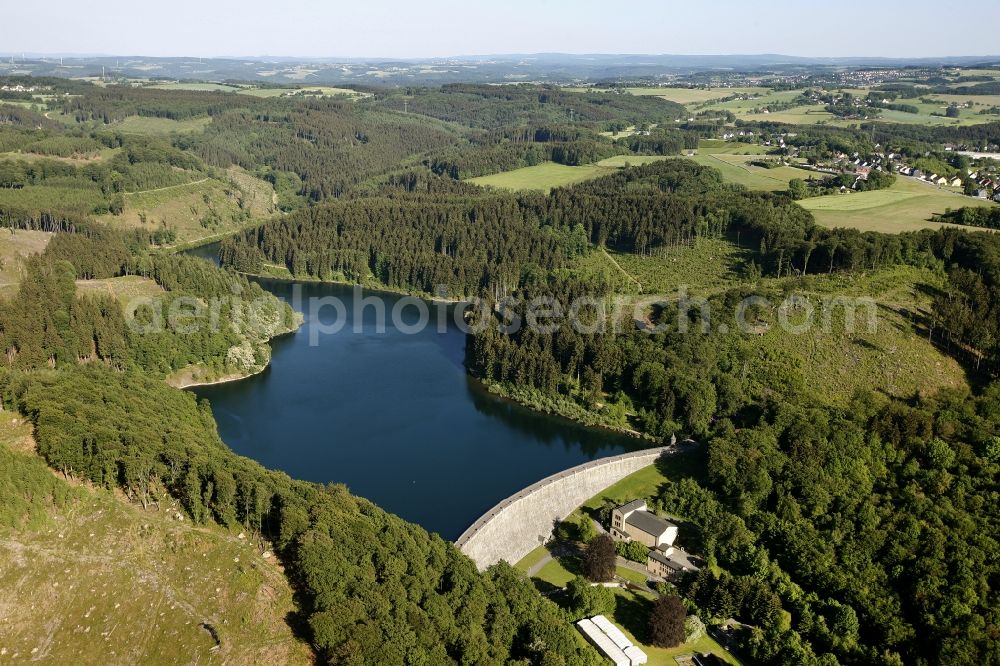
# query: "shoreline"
381,289
229,379
493,390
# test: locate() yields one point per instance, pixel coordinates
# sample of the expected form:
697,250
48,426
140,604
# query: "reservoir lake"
393,415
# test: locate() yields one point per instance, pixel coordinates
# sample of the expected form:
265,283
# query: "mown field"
737,169
906,206
694,95
100,580
619,161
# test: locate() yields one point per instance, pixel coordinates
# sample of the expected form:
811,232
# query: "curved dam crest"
522,522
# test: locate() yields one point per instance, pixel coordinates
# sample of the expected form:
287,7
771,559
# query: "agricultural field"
301,91
542,177
817,114
150,125
201,209
694,95
197,86
14,246
737,169
906,206
100,580
620,161
720,147
258,91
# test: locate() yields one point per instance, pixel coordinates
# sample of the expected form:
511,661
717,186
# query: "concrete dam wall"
522,522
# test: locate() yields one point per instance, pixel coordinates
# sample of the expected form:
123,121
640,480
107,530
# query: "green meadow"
151,125
542,177
908,205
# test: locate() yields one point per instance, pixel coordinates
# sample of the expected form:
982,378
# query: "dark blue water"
396,418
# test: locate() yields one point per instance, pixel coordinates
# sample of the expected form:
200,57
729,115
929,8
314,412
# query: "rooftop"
663,559
648,522
634,505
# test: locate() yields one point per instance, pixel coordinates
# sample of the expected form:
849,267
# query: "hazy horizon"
393,29
511,54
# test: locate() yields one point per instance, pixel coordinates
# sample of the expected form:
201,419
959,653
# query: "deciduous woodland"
842,528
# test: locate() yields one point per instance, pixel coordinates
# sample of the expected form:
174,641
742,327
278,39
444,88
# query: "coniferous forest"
852,531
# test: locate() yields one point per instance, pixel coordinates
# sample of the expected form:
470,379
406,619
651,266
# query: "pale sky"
398,28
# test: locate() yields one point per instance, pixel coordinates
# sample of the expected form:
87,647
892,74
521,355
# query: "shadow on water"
550,430
395,417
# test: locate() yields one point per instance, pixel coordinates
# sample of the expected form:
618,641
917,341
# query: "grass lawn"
644,483
13,247
532,558
906,206
149,125
631,576
542,177
631,615
556,574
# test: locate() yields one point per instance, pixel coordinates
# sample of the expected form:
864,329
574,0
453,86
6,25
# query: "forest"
788,513
857,533
375,589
